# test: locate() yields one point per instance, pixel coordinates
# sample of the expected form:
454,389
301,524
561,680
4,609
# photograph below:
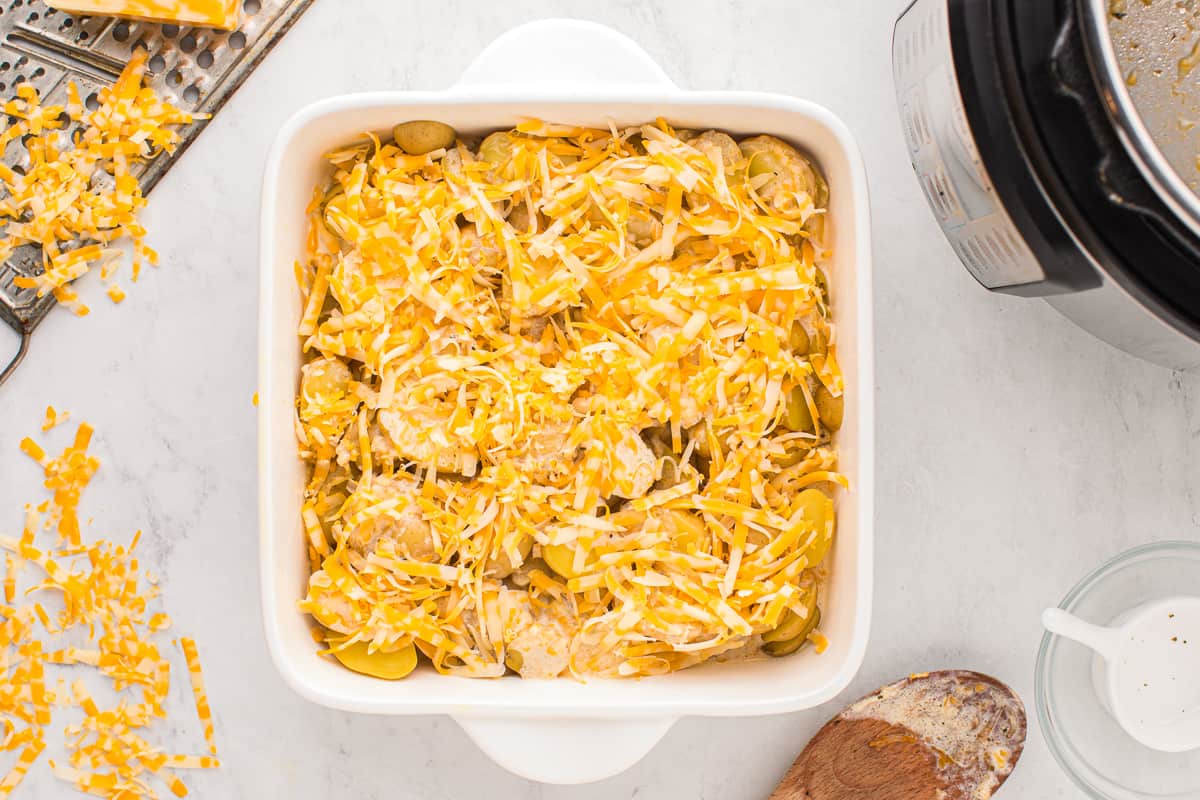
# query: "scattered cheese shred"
53,418
197,678
14,777
102,597
212,13
565,393
77,198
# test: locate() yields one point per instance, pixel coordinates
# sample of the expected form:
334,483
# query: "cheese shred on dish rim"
568,400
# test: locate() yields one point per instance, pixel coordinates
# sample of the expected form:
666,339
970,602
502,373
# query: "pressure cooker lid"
1145,56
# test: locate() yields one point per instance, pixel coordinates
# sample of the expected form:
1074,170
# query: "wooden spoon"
951,735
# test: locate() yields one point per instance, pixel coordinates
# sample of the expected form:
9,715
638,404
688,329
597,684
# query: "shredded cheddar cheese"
104,603
212,13
53,418
17,774
568,400
78,199
198,690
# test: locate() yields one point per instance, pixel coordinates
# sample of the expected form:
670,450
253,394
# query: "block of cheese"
213,13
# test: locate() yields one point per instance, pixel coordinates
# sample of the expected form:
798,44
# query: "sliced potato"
818,516
789,628
561,559
798,339
830,409
789,646
797,451
390,666
782,174
799,417
822,283
792,624
497,148
501,566
420,136
324,381
818,343
713,142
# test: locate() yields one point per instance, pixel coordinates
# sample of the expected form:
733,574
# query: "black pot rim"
1058,164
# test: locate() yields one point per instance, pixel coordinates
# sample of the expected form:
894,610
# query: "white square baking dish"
562,731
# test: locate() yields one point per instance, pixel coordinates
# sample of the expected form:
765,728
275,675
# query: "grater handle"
22,349
564,52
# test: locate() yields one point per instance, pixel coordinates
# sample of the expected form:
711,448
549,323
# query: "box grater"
197,69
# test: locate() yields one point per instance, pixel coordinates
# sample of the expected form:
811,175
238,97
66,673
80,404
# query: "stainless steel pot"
1055,142
1144,55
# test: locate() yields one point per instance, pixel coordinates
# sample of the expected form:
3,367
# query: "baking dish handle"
565,751
564,51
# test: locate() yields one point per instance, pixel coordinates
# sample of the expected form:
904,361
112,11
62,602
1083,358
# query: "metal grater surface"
195,68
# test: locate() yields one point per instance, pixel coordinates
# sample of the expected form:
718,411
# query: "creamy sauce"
973,727
1154,680
1147,669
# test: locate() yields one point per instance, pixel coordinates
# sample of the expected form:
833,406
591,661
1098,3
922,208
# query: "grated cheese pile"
78,199
104,624
213,13
568,400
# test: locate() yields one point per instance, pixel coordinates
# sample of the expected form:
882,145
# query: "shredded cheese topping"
548,393
77,200
104,610
213,13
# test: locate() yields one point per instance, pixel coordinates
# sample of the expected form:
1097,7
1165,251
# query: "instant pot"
1057,141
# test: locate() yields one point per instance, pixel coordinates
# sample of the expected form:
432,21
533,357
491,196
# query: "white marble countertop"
1014,451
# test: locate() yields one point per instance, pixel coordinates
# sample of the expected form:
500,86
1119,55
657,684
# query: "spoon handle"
1105,641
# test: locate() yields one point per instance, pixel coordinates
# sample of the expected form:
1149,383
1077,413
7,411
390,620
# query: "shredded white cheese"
560,367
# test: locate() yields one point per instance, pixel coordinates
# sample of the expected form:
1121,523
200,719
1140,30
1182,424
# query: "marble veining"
1014,451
